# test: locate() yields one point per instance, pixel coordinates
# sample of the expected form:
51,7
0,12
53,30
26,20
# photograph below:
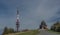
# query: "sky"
32,12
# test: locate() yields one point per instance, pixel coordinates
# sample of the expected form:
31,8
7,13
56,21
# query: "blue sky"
32,12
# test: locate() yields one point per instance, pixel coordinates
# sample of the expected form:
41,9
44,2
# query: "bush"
7,30
56,27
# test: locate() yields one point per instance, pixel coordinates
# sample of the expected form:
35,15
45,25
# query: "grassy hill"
32,32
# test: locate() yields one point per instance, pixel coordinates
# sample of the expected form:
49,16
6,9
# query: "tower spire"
17,21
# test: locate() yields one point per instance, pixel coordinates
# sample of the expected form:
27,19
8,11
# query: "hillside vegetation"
56,27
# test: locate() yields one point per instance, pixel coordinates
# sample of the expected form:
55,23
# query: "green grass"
32,32
54,32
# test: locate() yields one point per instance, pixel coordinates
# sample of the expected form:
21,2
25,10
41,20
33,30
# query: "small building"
43,25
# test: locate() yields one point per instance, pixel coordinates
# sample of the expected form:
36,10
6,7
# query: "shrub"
7,30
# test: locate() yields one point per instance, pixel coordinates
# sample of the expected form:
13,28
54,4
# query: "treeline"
11,30
56,27
8,30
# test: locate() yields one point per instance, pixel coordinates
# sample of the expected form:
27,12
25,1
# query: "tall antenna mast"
17,21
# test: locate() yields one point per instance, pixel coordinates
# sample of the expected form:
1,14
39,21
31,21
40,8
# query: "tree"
5,31
8,30
58,29
56,26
